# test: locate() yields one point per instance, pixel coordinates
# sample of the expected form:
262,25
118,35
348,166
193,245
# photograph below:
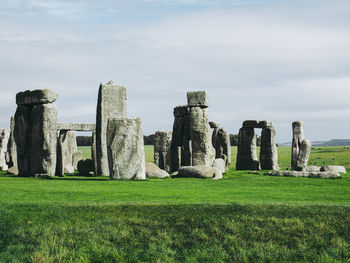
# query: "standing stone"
93,151
203,152
162,142
268,149
180,140
77,156
11,154
126,149
111,104
66,148
247,158
222,145
300,148
4,138
35,132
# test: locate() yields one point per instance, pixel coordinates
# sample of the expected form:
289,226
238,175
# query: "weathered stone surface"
11,154
66,148
313,168
222,145
300,148
197,99
36,139
306,174
86,167
153,171
333,168
214,125
247,158
268,149
162,142
199,171
111,104
77,156
256,124
34,97
180,148
203,152
93,151
76,126
4,138
125,149
220,164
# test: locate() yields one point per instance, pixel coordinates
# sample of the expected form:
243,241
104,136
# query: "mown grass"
243,217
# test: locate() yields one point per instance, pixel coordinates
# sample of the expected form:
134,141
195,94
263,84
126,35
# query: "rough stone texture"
77,157
333,168
11,154
4,138
66,148
35,97
220,164
125,149
222,145
76,126
313,168
203,152
268,149
199,171
306,174
111,104
36,139
247,158
86,167
180,141
197,99
256,124
153,171
300,148
214,125
162,142
93,151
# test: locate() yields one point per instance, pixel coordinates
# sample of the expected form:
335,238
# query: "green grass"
243,217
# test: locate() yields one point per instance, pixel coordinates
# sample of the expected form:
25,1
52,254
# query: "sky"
274,60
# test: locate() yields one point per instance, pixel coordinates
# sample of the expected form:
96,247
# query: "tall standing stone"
111,104
162,142
203,152
11,154
36,132
4,138
301,148
223,146
66,149
125,145
268,149
247,158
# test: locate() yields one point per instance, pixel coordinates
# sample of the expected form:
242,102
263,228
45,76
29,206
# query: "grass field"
244,217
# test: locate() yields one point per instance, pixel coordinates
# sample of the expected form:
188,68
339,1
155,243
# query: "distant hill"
333,142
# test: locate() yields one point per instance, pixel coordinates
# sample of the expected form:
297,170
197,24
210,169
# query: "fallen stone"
76,126
153,171
313,168
111,104
35,97
199,171
333,168
126,149
305,174
197,99
86,167
220,165
4,138
256,124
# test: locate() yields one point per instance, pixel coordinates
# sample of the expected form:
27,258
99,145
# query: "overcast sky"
257,59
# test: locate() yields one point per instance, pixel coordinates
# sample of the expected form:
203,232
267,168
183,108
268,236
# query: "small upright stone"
197,99
4,138
247,158
126,149
162,142
67,147
111,104
222,145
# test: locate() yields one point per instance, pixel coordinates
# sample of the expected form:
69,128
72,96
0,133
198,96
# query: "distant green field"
243,217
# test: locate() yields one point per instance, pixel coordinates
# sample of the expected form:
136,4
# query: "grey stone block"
268,149
247,158
256,124
34,97
4,138
197,99
199,171
153,171
11,154
162,143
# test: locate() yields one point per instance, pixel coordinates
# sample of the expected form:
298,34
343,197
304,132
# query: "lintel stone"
76,126
257,124
197,99
35,97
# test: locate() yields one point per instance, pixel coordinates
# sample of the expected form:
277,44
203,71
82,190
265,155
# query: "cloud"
280,61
